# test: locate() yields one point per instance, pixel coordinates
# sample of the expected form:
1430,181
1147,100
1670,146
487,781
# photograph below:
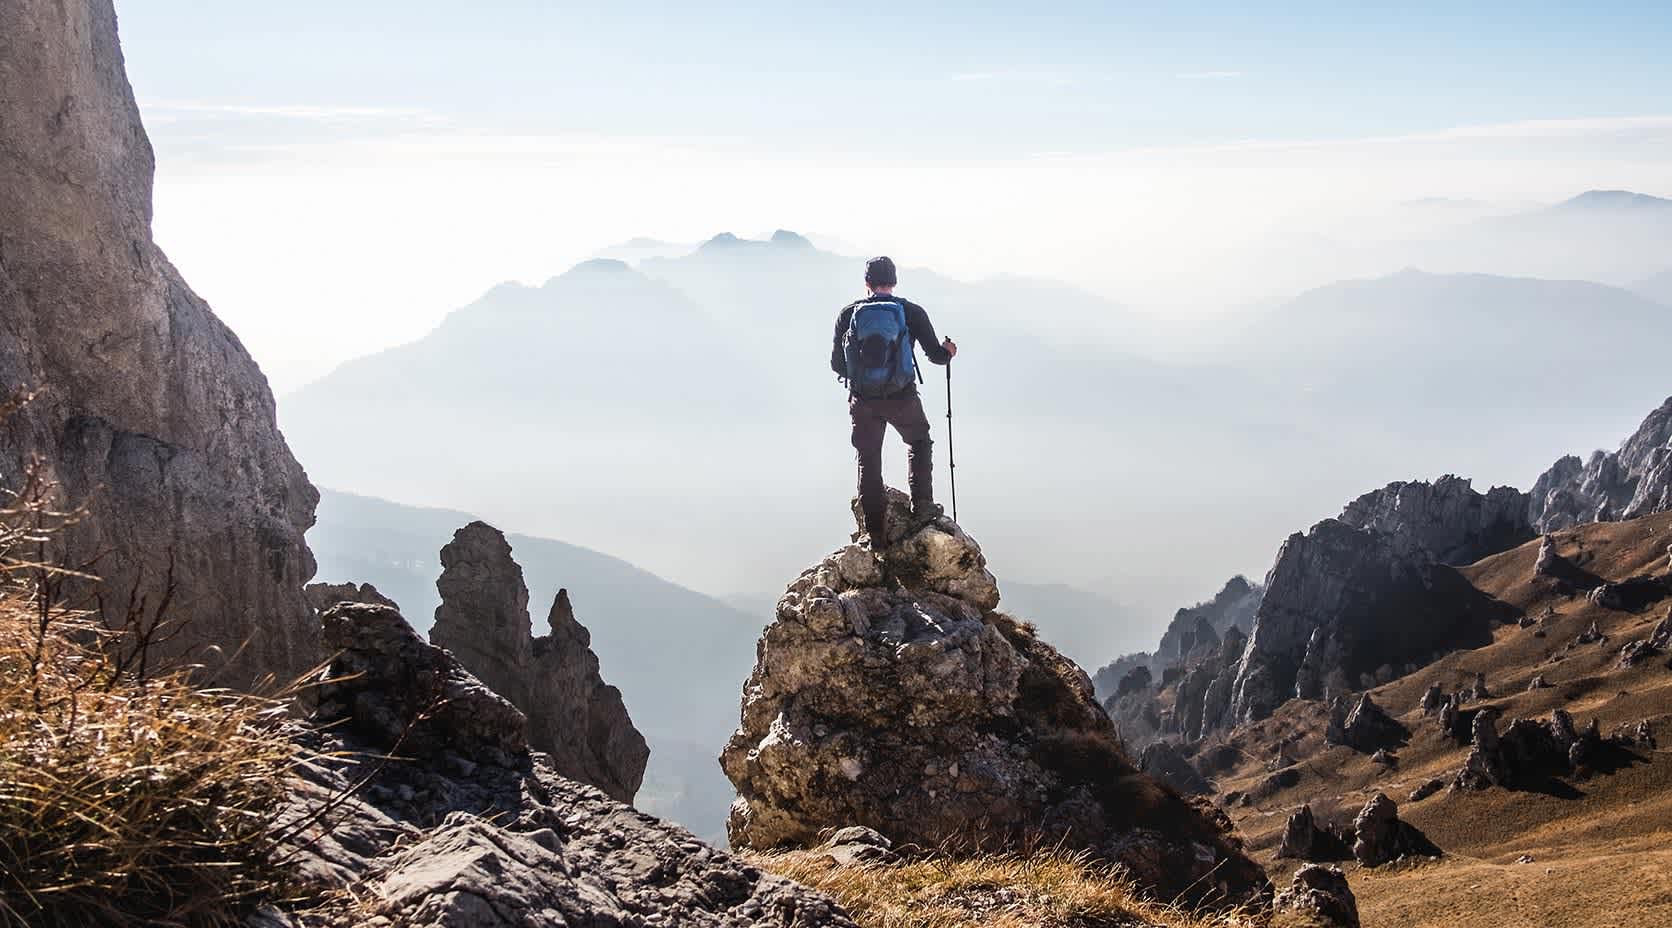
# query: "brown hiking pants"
871,418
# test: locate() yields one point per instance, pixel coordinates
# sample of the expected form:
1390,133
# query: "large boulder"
420,805
1527,753
892,694
1304,839
1368,728
1634,481
1446,520
1318,897
573,715
149,409
1380,836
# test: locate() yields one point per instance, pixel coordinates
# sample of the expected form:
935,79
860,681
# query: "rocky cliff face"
573,715
1195,634
1234,605
1446,520
1334,613
1344,608
149,410
467,828
895,696
1633,481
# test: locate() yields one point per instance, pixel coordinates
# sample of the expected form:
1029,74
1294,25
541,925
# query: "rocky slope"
892,694
1355,600
572,714
1634,481
149,409
1537,762
469,828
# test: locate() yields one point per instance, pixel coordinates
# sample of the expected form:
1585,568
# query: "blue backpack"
878,349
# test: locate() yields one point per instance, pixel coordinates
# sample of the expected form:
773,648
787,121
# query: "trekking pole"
951,459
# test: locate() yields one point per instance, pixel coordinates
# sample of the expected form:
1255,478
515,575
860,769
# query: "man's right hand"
951,348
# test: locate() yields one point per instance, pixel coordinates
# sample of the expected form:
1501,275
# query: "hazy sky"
335,177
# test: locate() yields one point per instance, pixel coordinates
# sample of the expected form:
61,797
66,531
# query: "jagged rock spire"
573,715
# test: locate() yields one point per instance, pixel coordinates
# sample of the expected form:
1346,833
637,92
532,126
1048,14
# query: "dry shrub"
126,796
1045,889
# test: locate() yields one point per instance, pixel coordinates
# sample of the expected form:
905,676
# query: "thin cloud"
1209,75
306,112
1029,77
1598,128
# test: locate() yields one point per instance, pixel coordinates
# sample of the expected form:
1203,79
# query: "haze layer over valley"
680,412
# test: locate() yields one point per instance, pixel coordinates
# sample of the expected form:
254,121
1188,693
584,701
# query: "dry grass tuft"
1047,889
126,797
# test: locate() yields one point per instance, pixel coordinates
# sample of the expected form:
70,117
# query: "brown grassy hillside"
1600,847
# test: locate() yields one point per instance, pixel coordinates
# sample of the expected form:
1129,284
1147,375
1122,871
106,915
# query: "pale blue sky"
942,79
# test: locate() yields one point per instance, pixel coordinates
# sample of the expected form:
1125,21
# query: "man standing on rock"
873,354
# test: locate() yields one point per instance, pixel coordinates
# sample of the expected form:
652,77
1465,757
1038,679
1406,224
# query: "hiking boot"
925,511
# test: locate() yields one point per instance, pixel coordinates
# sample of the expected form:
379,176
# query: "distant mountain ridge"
683,411
1614,199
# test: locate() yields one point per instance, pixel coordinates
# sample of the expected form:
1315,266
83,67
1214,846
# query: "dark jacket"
917,320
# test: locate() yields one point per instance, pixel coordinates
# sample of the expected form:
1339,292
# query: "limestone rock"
1528,751
1367,728
1137,680
1206,622
467,828
945,561
1108,678
1637,652
1216,701
383,677
322,596
857,844
1319,896
1380,836
1633,594
1432,698
1446,520
1454,722
1478,691
893,696
149,409
1342,603
1428,788
1485,764
1198,637
573,715
483,616
1304,839
1634,481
